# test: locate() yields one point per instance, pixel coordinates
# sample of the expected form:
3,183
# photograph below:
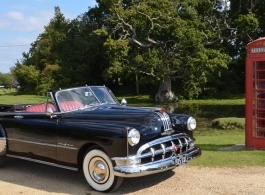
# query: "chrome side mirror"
123,102
49,112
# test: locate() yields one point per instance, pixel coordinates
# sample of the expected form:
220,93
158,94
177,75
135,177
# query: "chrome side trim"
2,146
66,146
18,117
43,162
31,142
60,145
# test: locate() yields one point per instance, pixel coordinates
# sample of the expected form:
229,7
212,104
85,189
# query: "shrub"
229,123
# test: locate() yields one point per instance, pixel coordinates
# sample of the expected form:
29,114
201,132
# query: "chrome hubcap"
99,170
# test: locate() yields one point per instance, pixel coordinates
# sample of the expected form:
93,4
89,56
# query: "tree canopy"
186,48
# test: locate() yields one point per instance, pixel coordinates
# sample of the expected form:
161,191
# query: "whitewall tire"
98,171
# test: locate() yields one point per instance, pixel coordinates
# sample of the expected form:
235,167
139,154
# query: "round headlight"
133,137
191,123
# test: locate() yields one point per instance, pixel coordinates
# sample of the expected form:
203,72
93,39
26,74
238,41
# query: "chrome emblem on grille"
166,123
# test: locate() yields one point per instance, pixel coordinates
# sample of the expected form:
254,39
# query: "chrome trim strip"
18,117
43,162
66,146
164,150
31,142
180,145
187,143
160,141
59,145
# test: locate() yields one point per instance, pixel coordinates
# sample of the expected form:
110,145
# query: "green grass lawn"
10,96
211,143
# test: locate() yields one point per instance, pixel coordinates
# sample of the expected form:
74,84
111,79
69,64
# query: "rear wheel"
98,171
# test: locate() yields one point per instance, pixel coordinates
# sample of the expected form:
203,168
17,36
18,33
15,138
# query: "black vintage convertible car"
87,128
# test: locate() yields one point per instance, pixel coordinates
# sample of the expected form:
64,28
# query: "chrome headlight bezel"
191,124
133,137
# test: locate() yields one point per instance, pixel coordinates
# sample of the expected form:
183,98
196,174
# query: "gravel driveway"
22,177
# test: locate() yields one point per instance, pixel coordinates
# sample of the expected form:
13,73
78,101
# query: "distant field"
10,96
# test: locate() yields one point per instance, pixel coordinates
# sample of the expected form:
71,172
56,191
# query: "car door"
31,136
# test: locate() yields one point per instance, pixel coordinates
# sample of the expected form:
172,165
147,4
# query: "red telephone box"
255,94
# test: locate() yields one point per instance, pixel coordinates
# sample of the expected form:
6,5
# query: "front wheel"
98,171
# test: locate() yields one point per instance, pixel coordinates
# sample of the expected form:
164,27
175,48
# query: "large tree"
67,53
161,40
6,80
250,28
180,46
38,70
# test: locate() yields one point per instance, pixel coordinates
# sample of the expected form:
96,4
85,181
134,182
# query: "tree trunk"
164,94
137,85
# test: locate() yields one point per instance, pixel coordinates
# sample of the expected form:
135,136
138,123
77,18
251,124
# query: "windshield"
82,97
103,95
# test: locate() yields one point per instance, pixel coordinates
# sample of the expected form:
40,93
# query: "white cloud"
18,22
14,16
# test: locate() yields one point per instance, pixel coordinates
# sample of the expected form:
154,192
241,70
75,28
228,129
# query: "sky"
21,21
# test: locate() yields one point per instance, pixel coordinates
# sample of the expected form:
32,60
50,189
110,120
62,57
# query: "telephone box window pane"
258,129
259,84
258,113
259,133
257,123
259,65
258,103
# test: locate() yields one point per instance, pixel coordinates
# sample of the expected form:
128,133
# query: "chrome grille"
165,120
163,148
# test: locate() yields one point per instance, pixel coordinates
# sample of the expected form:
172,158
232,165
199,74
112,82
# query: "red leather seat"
40,108
70,105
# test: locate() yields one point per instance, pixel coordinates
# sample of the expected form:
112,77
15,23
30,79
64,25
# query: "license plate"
181,160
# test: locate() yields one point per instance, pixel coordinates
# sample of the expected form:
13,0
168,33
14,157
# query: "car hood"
142,118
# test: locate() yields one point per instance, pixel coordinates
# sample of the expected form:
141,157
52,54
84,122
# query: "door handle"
18,117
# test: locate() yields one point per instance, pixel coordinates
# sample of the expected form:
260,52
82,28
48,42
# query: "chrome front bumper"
154,167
